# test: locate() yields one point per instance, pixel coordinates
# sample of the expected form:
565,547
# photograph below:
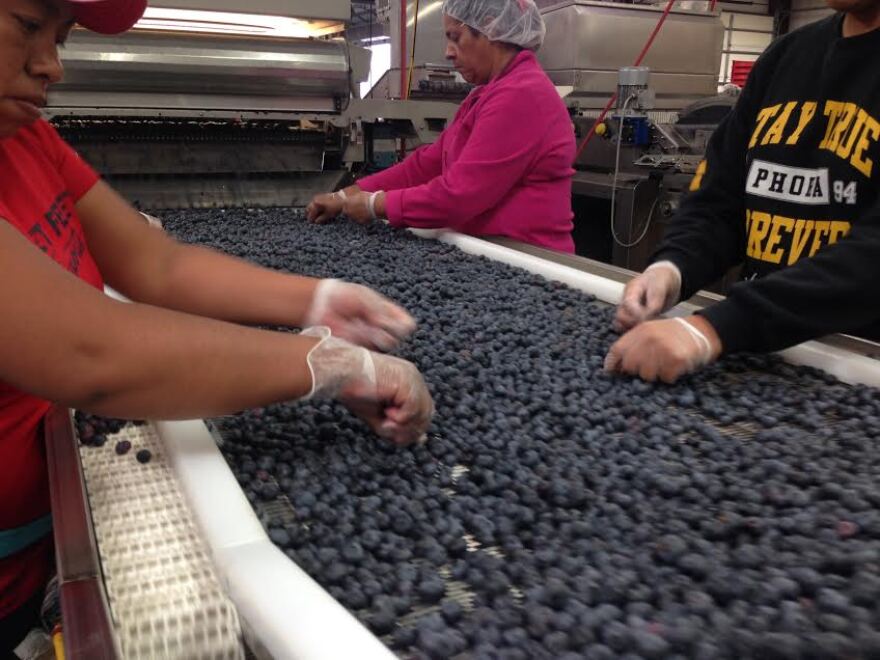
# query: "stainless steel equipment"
179,120
622,196
586,45
588,41
659,154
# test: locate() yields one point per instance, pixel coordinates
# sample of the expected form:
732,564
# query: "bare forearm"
153,363
148,266
208,283
65,341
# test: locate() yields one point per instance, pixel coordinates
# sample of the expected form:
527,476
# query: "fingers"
383,324
670,373
655,298
363,334
380,339
397,424
312,212
397,406
631,312
655,350
409,412
323,208
615,356
394,320
324,215
645,297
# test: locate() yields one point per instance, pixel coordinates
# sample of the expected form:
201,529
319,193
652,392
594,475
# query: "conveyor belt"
163,592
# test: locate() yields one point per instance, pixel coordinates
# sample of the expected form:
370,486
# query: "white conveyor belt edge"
291,616
845,365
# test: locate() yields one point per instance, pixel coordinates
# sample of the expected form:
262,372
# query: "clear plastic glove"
363,207
325,207
666,349
152,220
648,295
386,392
359,315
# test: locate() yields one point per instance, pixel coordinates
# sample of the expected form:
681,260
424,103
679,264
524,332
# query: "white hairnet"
515,22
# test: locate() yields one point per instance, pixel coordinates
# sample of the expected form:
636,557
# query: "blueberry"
431,590
404,637
734,515
831,600
279,537
650,646
144,456
382,622
694,565
123,447
452,611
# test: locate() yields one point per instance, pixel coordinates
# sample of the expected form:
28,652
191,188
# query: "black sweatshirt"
791,188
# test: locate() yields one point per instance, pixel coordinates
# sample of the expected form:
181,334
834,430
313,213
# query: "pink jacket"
503,167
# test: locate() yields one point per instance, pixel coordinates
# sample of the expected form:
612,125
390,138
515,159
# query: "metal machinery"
662,131
385,128
237,115
587,43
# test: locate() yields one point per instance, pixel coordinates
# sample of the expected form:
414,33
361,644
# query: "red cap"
108,16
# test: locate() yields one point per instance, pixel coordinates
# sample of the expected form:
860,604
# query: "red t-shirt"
41,179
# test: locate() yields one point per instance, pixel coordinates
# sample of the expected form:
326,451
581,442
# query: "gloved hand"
386,392
665,349
359,315
648,295
364,207
153,221
325,207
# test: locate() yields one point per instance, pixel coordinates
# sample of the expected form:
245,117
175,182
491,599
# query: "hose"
614,185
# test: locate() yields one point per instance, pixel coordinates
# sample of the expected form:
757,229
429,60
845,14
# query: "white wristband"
371,204
700,338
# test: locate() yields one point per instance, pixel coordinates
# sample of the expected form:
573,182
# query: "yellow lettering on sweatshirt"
776,131
763,117
778,239
808,111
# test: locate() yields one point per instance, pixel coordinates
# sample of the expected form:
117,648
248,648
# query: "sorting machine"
238,115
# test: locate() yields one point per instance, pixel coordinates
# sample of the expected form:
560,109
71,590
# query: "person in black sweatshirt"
790,188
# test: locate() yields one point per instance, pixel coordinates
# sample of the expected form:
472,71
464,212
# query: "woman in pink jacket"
504,165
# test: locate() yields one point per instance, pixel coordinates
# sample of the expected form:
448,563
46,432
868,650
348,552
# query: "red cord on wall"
638,61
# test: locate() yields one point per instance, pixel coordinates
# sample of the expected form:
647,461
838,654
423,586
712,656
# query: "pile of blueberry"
92,431
557,511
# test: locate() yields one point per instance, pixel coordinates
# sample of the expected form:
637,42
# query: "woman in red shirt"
178,351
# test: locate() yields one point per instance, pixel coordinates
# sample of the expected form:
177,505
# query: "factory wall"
748,30
807,11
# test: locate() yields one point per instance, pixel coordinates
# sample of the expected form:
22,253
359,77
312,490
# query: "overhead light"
219,22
